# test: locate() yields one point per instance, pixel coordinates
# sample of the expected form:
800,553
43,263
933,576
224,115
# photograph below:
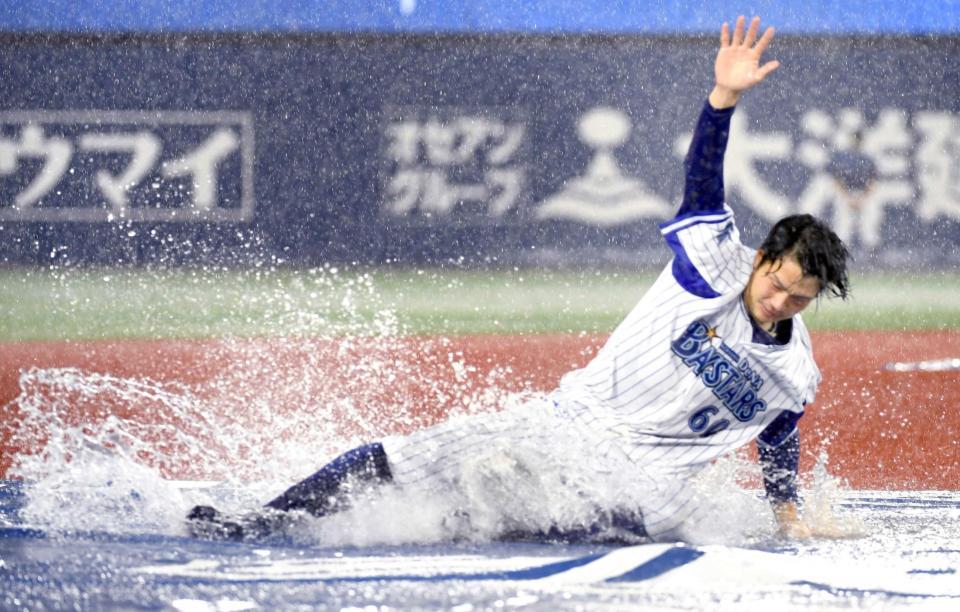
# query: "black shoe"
208,523
203,513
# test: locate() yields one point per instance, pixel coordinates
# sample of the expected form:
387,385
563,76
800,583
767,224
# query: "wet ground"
909,558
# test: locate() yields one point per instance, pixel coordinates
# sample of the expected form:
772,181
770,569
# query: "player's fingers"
765,40
738,31
766,69
725,35
752,32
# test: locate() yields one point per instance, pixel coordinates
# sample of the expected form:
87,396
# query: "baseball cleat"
208,523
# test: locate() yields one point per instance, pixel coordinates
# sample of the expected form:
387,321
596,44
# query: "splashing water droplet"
274,410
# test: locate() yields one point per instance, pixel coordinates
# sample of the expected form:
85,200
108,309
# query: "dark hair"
817,249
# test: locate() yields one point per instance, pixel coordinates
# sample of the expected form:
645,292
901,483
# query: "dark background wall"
473,148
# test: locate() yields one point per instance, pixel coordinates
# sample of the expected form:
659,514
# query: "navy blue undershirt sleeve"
703,165
779,448
328,490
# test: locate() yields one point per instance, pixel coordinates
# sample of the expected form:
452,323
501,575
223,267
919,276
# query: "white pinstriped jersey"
680,381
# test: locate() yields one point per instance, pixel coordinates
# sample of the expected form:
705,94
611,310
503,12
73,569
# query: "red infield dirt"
881,429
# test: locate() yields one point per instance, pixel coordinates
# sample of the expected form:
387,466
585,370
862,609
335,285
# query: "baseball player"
714,355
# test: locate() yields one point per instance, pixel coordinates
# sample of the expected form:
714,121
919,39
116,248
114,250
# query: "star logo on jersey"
712,337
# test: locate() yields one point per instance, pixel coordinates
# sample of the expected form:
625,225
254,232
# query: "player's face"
778,290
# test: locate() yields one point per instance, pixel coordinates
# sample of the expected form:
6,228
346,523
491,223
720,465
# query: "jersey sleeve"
708,256
779,450
703,165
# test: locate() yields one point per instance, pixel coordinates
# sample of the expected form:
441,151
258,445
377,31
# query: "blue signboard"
477,150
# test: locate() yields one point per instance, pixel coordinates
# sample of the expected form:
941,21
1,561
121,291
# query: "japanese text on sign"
136,166
460,164
916,168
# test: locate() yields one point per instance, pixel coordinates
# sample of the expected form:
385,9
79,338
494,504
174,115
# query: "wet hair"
819,251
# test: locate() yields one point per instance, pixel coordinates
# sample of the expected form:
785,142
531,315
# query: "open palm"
738,62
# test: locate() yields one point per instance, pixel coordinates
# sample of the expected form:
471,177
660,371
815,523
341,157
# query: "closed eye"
795,299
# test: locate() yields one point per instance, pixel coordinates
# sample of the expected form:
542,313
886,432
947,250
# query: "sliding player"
714,356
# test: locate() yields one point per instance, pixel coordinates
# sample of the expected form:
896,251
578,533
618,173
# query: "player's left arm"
779,450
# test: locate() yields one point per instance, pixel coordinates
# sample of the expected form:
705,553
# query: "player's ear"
757,259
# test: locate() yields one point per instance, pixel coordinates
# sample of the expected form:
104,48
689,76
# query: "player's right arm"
736,69
704,240
702,236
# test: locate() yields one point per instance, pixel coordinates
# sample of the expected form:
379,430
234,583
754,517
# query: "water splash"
822,505
731,509
335,369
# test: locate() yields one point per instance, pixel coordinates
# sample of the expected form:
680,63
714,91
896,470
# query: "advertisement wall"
457,149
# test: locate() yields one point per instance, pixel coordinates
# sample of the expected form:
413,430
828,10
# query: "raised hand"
737,67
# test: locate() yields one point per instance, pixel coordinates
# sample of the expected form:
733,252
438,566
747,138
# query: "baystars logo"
721,369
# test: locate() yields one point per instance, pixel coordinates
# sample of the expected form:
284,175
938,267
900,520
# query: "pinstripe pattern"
633,405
